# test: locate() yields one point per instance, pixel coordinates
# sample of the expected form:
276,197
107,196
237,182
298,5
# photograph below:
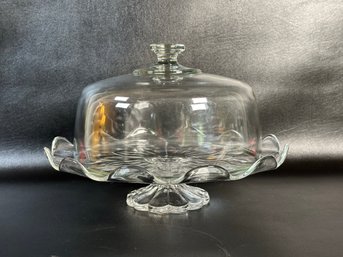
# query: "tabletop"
268,214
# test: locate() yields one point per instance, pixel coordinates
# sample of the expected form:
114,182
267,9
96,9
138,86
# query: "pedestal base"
168,198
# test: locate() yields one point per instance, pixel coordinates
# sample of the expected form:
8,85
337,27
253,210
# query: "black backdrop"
290,52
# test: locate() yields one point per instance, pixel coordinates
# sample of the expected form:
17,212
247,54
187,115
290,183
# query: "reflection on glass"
167,125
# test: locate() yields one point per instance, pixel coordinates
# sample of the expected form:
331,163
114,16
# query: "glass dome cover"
167,125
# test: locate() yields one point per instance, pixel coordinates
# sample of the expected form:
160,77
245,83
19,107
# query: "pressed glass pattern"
167,125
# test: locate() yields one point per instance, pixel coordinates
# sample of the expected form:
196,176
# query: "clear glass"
167,125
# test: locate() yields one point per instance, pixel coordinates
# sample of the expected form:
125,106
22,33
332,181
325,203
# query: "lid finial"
167,64
167,53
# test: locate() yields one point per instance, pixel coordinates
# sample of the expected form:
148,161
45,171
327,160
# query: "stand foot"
167,198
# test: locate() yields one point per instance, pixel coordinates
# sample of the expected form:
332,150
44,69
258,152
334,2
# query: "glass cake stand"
167,126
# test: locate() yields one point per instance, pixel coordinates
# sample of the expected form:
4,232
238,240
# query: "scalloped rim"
277,158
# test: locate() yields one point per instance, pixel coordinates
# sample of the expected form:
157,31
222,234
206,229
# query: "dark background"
290,52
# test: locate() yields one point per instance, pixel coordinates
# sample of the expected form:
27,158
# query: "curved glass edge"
271,158
61,158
